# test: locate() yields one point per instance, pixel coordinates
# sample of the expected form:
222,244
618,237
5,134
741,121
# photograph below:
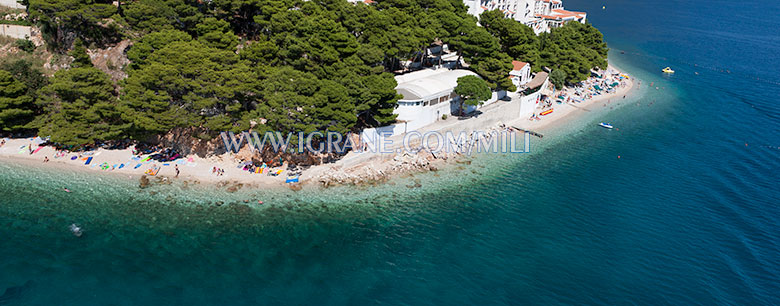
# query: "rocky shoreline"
417,161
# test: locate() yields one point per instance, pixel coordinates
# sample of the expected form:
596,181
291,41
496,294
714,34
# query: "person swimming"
76,230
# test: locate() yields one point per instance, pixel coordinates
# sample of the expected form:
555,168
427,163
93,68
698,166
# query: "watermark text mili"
412,142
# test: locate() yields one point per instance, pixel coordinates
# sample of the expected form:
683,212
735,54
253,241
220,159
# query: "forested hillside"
280,65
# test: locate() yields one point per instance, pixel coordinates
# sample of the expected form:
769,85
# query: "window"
443,99
432,102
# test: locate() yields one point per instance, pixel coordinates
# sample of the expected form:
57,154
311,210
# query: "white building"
540,15
11,4
427,95
531,94
367,2
520,74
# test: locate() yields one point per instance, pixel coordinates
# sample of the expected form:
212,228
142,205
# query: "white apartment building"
540,15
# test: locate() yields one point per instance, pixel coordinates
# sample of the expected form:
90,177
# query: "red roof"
518,65
565,13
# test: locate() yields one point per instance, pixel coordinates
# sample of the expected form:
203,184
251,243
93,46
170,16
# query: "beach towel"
121,166
258,170
89,160
152,171
292,179
137,166
146,158
189,159
36,150
74,158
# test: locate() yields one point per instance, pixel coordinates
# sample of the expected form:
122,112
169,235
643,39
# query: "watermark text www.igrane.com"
332,142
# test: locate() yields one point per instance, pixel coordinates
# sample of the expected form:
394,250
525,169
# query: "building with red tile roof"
540,15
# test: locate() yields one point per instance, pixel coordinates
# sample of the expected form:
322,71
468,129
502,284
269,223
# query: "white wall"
15,31
502,112
370,136
493,98
11,4
420,115
528,103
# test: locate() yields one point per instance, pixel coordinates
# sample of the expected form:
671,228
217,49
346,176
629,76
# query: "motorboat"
606,125
667,70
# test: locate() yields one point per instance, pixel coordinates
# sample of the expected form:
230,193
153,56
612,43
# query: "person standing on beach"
177,170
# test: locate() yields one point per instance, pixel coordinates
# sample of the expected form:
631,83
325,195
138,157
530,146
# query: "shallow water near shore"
688,214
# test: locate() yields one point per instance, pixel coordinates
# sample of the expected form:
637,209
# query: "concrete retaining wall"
498,111
15,31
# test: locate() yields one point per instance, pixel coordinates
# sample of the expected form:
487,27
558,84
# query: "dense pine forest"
269,65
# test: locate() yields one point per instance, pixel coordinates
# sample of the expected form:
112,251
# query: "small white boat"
606,125
76,230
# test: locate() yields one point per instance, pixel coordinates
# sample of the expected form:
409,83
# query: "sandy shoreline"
200,169
570,110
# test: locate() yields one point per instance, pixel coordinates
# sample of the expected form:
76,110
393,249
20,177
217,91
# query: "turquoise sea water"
687,215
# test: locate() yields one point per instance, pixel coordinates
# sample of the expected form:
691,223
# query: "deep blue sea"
689,213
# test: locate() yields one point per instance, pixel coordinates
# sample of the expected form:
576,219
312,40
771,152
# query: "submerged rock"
143,182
